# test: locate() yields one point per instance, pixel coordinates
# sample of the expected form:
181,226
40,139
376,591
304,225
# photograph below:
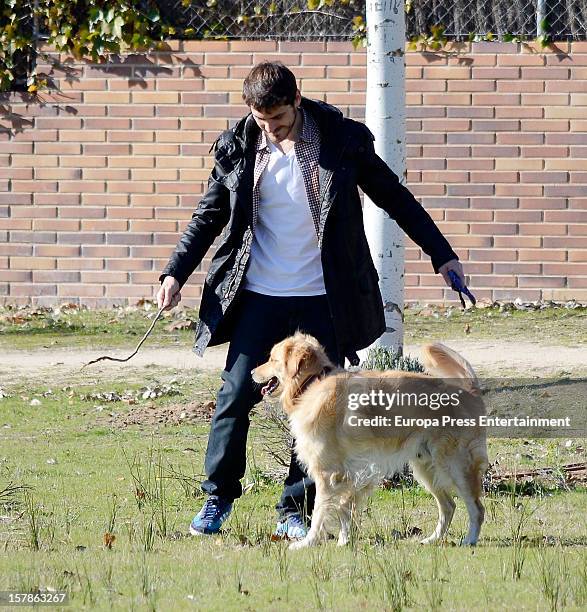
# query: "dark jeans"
261,321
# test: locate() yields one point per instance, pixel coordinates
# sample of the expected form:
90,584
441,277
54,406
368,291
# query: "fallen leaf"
182,324
426,312
109,539
484,303
276,538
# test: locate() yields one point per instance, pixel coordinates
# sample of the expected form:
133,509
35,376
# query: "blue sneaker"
291,527
210,518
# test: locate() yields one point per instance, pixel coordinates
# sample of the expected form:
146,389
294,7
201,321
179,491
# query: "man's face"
276,122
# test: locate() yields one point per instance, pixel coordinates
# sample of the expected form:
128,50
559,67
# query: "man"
293,255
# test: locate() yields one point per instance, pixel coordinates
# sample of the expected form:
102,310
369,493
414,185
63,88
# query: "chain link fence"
319,20
558,19
264,19
566,19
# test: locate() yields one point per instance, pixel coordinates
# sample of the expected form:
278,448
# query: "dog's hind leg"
446,505
469,487
476,514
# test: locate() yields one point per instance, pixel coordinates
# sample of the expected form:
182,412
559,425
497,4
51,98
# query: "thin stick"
106,357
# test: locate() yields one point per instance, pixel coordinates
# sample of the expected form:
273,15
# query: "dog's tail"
443,361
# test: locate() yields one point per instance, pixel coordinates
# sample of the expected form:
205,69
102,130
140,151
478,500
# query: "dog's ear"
297,359
286,350
301,358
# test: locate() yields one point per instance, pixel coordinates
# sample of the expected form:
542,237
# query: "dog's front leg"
344,534
351,502
317,531
316,534
346,514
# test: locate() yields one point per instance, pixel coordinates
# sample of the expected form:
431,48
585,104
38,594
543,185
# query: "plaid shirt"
307,152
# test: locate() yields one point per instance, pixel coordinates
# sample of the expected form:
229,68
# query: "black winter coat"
347,161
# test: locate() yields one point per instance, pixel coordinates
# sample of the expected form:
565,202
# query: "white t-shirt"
285,258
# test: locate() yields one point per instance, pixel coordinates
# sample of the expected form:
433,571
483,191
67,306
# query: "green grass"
141,484
85,478
558,326
36,328
124,327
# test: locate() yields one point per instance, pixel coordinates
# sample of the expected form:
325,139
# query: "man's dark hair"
269,84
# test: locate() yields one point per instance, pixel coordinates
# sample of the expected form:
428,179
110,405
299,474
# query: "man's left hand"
455,266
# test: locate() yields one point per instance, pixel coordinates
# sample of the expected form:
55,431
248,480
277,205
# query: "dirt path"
495,358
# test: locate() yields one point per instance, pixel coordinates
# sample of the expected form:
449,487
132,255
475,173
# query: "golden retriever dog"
347,448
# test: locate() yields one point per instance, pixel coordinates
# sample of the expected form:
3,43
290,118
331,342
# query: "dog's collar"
325,371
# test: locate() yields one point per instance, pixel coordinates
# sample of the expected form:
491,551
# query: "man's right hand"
168,295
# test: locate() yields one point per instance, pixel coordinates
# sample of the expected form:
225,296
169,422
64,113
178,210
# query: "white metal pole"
540,17
386,117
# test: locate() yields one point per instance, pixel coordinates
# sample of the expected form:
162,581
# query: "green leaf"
98,45
117,26
153,15
105,28
544,40
61,40
437,30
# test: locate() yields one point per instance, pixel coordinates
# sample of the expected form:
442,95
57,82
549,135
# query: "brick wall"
99,178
